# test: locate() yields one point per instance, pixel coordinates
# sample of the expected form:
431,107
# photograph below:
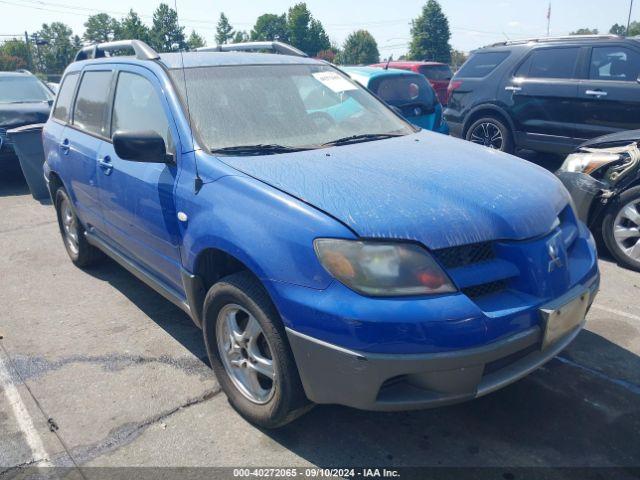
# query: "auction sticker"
334,81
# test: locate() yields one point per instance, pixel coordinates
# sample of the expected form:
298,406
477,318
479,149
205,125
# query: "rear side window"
437,72
137,107
614,64
481,64
91,102
65,97
550,63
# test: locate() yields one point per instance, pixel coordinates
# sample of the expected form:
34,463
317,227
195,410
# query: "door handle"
106,165
65,146
512,88
596,93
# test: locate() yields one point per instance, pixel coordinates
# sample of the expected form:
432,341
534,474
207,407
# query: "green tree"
10,63
166,34
55,50
17,49
270,27
360,48
100,28
430,35
132,28
224,30
457,59
305,32
240,36
617,29
195,41
585,31
634,29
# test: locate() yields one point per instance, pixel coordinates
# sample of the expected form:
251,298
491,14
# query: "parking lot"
99,370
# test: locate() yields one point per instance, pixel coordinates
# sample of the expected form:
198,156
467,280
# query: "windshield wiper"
258,149
365,137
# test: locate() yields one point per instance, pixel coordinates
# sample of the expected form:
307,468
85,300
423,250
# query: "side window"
137,107
615,64
62,109
552,63
91,102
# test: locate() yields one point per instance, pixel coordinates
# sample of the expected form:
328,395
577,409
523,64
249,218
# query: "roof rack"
566,38
99,50
276,47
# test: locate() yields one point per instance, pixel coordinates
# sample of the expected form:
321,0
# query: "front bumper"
371,381
584,189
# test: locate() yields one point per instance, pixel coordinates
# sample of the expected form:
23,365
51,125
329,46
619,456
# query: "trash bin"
27,142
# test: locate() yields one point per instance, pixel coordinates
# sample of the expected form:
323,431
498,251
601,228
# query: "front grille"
485,289
455,257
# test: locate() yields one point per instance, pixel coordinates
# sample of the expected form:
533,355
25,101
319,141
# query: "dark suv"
547,94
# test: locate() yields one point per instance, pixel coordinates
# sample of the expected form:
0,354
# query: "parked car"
438,74
409,92
349,259
603,177
24,100
548,94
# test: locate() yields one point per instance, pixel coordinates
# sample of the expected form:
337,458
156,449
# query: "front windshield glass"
21,89
294,106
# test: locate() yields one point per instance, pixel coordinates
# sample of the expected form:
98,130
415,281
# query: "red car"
438,74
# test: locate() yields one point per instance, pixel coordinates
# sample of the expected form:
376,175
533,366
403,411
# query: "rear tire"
621,226
491,132
81,253
250,354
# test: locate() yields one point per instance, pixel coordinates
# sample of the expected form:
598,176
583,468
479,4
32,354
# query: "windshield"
21,89
404,90
294,106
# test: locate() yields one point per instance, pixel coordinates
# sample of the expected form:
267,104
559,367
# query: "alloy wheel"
70,227
626,229
245,353
487,134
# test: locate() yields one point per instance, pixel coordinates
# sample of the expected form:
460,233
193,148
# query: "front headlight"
382,268
587,162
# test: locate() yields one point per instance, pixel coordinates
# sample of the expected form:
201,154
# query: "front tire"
81,253
621,229
491,133
249,352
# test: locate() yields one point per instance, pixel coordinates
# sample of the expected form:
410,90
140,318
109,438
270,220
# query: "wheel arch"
487,110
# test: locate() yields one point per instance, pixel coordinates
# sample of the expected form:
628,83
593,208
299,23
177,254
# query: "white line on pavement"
620,313
22,417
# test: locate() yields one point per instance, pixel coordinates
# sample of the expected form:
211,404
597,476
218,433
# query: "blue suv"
329,256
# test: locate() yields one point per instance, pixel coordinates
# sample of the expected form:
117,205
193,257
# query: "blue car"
349,259
407,91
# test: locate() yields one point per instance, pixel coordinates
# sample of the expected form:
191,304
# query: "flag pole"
629,19
549,19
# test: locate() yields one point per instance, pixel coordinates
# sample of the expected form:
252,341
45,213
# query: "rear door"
610,92
81,143
542,95
138,198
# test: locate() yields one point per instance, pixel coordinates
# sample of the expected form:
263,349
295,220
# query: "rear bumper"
455,129
332,374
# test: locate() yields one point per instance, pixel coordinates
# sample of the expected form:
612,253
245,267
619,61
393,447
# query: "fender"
487,106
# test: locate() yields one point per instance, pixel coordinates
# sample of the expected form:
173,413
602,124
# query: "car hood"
613,139
426,187
18,114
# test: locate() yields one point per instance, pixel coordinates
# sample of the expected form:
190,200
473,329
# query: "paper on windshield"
334,81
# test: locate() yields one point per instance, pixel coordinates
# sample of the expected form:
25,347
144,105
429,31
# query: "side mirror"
144,146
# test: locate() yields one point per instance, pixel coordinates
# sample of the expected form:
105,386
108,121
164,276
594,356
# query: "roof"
566,40
16,74
211,59
364,74
411,63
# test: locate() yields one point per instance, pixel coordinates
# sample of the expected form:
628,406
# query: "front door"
138,198
610,93
542,95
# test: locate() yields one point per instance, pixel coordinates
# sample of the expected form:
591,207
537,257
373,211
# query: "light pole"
629,19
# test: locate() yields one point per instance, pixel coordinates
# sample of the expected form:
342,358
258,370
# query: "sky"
473,23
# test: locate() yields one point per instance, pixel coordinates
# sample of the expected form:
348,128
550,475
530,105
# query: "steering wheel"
323,120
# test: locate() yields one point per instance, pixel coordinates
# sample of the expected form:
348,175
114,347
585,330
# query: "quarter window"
481,64
65,97
550,63
138,107
91,102
614,64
